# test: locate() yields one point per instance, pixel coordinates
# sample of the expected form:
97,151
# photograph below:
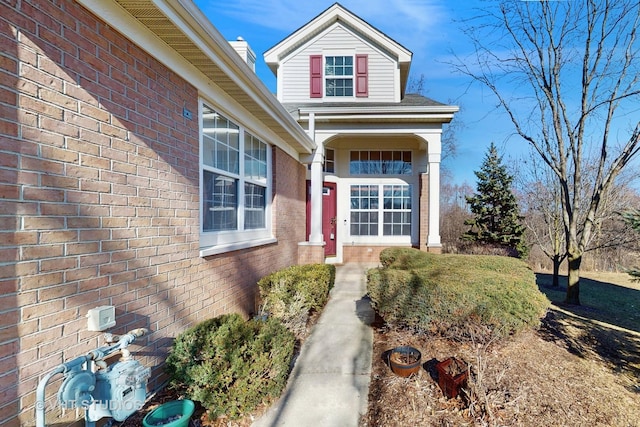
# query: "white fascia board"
323,134
443,114
448,109
440,118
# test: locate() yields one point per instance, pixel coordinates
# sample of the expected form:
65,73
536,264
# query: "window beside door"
380,210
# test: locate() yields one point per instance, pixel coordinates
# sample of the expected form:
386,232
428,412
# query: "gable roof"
337,14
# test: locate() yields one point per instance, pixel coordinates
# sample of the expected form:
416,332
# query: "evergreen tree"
632,217
497,219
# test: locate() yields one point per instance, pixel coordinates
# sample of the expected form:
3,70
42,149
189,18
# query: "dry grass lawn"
581,368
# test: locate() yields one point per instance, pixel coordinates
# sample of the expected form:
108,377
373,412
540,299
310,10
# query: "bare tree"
454,213
542,209
541,205
632,217
566,73
450,132
612,237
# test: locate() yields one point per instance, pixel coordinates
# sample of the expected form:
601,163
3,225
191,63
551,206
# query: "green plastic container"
160,416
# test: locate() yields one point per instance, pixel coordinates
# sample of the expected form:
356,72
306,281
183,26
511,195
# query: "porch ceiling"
197,41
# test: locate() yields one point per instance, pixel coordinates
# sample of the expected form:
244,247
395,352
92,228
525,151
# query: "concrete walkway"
329,384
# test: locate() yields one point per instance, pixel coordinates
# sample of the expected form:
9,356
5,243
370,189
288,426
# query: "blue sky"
428,28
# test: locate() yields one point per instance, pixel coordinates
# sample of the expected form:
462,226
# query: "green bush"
459,295
292,293
403,258
230,365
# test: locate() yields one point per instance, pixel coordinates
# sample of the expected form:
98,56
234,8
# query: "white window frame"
381,154
217,242
372,239
329,165
351,77
397,210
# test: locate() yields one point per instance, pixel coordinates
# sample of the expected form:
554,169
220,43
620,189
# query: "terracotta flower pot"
405,361
452,375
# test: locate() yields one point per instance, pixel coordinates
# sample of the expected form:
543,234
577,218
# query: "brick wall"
362,254
99,188
310,253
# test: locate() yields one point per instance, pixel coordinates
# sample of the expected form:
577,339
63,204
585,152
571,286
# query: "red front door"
329,221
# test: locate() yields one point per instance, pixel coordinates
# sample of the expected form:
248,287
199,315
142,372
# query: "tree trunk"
556,271
573,280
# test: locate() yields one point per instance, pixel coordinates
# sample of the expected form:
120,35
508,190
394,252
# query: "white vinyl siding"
294,71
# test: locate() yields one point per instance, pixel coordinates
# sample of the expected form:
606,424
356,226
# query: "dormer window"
338,76
338,72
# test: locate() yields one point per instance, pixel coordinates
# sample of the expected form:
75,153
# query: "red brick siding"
289,204
99,187
311,254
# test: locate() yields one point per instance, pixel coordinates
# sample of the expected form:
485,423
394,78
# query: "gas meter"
120,390
116,391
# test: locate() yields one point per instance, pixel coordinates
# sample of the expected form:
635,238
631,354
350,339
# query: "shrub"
403,258
230,365
462,296
292,293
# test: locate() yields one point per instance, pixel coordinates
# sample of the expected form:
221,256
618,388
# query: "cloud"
410,22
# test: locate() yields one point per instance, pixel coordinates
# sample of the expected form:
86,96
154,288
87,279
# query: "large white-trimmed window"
380,210
396,208
380,162
338,72
236,185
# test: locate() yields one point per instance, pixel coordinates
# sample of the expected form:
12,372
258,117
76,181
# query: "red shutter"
362,76
315,81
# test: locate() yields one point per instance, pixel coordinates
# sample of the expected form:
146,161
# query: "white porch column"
433,238
432,193
315,235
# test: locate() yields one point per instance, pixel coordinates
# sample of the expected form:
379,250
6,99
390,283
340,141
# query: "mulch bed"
533,379
566,373
200,416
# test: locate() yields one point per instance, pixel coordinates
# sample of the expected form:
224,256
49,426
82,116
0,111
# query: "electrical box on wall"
101,318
